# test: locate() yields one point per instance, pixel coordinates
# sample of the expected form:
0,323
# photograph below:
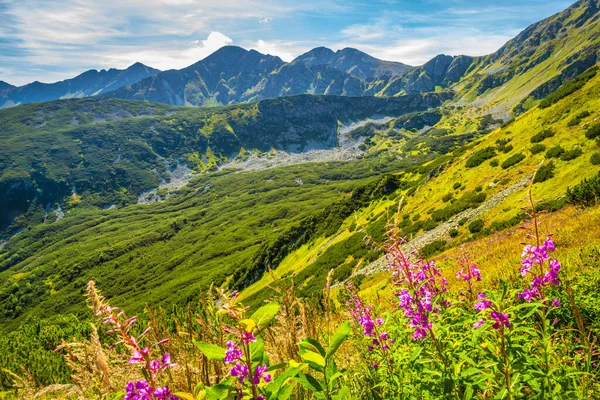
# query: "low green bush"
555,152
586,192
537,148
476,226
545,172
512,160
571,154
480,156
538,137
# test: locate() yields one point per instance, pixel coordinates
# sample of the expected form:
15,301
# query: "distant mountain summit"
233,75
5,86
353,62
89,83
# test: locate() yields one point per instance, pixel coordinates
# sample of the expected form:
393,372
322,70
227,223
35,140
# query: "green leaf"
309,382
314,360
185,396
275,387
312,345
221,391
257,351
285,392
264,315
338,338
210,350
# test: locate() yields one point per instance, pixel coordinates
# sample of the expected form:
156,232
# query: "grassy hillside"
109,151
462,181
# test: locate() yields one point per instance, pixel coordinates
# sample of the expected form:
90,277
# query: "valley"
313,192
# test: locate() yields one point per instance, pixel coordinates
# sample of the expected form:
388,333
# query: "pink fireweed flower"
478,323
233,353
240,371
248,337
529,295
555,303
164,393
166,361
154,365
501,319
261,373
138,356
421,285
534,260
362,314
482,305
138,391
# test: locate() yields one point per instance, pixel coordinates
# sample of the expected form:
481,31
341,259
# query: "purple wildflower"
164,393
555,303
482,305
240,371
138,391
260,373
534,259
478,323
248,337
501,319
233,353
421,284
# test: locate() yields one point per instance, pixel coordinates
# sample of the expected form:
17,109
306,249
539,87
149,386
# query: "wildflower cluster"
420,283
500,319
469,273
238,356
536,261
362,314
120,325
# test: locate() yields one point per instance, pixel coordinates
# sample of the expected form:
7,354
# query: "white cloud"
265,20
172,57
286,50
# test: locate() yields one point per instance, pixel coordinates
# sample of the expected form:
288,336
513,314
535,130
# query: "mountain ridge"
89,83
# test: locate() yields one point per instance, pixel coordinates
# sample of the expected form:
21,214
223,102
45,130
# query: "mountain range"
89,83
563,45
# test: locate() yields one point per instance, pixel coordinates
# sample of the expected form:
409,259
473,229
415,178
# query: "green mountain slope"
228,228
109,151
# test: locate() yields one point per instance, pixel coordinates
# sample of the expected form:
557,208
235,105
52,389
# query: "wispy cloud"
53,40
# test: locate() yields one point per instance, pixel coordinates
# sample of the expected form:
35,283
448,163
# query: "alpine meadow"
255,219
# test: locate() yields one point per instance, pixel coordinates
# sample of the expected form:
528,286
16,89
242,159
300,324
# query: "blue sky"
50,40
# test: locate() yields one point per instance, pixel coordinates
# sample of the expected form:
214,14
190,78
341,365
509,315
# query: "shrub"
494,163
595,158
447,197
576,119
462,221
476,226
571,154
453,232
503,145
434,247
593,131
480,156
555,152
512,160
456,185
537,148
586,192
538,137
479,188
545,172
569,87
